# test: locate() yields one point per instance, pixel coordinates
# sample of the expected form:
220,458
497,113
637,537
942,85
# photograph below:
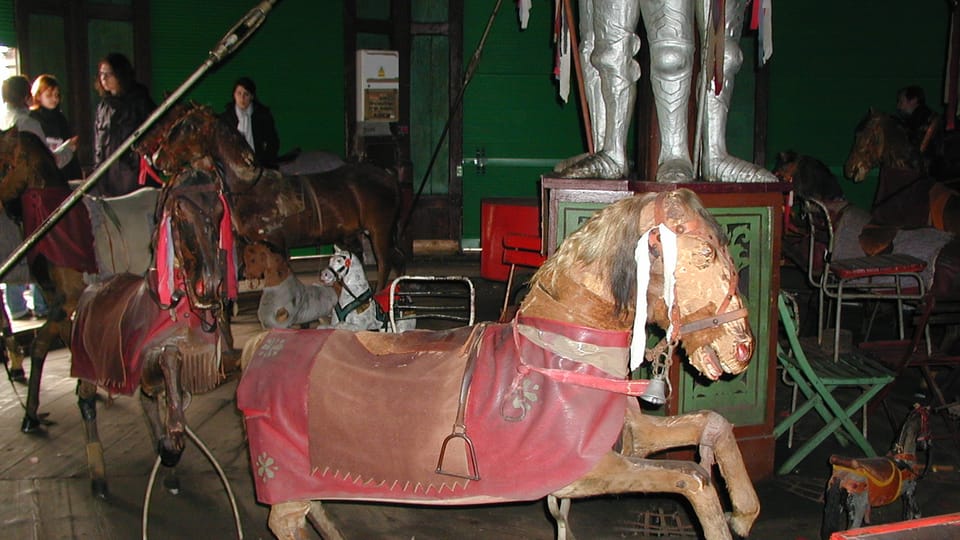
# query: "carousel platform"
45,493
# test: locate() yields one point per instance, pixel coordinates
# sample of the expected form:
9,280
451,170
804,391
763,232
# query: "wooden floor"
45,493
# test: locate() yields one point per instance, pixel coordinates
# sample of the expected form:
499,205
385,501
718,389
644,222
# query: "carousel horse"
856,232
356,308
538,407
160,332
907,194
32,187
341,205
286,301
856,485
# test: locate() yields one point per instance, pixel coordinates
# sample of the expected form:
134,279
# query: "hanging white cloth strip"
668,241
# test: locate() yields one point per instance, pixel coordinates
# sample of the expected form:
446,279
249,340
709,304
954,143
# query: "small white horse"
356,308
286,301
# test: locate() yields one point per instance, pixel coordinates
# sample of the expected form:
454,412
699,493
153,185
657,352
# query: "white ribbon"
668,241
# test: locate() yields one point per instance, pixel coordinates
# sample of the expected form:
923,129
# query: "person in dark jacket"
254,121
56,127
124,105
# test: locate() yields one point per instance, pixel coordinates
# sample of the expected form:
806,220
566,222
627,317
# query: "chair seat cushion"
877,265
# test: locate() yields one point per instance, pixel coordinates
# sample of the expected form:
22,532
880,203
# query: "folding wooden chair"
885,277
817,378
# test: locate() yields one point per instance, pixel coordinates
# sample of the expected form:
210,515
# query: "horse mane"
609,240
227,138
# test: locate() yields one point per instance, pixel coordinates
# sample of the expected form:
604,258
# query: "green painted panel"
741,399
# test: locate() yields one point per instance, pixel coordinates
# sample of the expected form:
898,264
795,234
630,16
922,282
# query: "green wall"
295,57
833,60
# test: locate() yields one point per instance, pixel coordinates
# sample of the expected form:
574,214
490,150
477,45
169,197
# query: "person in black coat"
254,121
124,105
56,127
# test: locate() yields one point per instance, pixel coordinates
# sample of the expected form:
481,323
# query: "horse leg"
87,401
288,520
645,434
172,443
619,474
911,507
560,510
858,507
32,419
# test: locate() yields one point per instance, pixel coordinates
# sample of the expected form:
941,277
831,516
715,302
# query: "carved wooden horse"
859,484
285,301
32,187
285,211
535,408
907,195
161,333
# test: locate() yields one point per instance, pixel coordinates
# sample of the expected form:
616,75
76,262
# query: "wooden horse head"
660,258
194,243
880,140
261,261
192,135
26,162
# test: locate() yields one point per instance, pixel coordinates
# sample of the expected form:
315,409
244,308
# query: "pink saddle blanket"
340,415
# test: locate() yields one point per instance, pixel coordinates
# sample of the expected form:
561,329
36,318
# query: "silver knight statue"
610,72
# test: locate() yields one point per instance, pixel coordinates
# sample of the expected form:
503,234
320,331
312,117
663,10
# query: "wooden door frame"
76,14
435,216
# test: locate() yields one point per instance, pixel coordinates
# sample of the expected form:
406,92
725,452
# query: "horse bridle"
721,316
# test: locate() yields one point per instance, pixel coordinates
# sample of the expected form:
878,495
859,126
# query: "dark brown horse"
31,189
907,194
338,206
163,332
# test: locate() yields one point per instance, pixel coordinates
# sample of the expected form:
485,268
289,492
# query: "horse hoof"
18,376
172,484
31,424
168,458
99,489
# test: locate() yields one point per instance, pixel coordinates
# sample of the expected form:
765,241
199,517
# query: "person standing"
56,127
124,105
254,121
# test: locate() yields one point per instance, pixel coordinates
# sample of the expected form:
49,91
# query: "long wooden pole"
578,68
227,45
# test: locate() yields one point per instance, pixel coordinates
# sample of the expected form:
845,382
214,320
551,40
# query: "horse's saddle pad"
335,415
115,321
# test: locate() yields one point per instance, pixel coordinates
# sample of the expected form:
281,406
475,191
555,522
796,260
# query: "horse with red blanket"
538,407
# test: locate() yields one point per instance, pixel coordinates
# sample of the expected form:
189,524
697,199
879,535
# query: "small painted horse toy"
538,407
356,308
859,484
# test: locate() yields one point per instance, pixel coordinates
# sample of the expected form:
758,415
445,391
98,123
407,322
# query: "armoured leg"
670,31
718,165
610,76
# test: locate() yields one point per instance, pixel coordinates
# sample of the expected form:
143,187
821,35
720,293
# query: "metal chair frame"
859,278
439,303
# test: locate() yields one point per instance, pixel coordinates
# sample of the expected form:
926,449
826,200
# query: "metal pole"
226,46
